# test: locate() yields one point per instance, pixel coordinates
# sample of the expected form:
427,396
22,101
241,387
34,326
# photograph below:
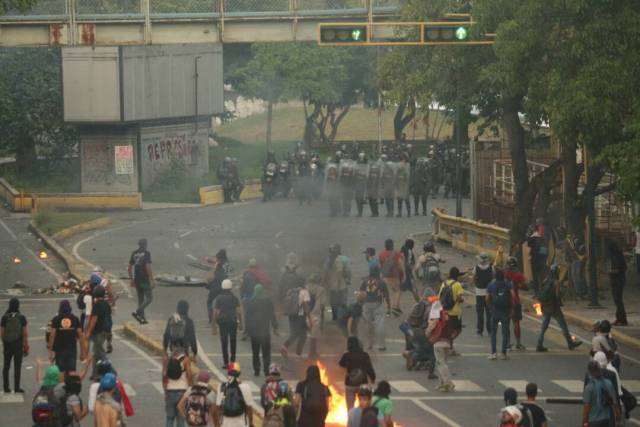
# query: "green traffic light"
356,34
461,33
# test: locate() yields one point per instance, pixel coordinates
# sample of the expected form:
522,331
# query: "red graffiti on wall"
172,146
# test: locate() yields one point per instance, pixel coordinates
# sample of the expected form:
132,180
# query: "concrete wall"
159,145
89,201
159,81
97,151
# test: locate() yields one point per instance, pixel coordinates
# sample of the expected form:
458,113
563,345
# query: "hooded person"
64,335
510,416
197,405
229,399
260,320
15,343
291,275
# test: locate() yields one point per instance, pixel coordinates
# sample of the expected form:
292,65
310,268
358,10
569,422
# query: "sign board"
124,159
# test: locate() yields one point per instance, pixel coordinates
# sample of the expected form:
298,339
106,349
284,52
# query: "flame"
338,413
17,260
43,255
538,309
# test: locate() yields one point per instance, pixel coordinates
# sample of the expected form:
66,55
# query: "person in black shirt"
63,340
618,276
260,318
353,315
359,369
189,332
141,278
15,343
311,399
228,318
220,272
538,415
99,326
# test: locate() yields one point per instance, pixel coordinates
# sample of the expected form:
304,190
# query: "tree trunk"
335,122
269,123
309,123
25,155
400,120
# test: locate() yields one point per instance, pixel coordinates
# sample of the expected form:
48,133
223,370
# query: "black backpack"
177,330
314,399
418,316
369,417
357,376
233,404
501,299
446,295
174,367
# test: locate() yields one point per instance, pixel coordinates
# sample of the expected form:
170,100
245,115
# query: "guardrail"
469,235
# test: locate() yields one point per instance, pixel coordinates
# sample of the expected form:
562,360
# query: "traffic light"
446,33
343,34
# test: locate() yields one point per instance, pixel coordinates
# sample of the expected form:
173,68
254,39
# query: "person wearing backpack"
99,327
359,370
64,337
377,296
337,277
180,332
260,319
297,306
538,416
291,277
428,267
234,401
600,405
382,402
482,276
499,297
392,273
439,333
277,401
364,415
71,405
141,278
176,378
15,344
198,403
418,350
45,407
451,298
312,399
549,296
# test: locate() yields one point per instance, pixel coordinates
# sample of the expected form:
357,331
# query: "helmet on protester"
233,369
274,369
512,261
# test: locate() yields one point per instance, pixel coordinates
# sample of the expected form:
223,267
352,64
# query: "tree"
31,107
17,5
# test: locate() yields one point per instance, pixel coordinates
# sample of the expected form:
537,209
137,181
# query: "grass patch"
52,222
45,178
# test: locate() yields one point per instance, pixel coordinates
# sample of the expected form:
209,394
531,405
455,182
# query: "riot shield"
402,179
331,178
346,171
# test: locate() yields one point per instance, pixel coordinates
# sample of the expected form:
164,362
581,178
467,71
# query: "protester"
15,344
511,274
108,412
260,319
45,408
141,278
549,296
392,273
370,257
359,370
538,418
99,326
312,399
75,410
382,401
251,277
120,395
499,299
65,334
270,389
85,299
418,349
482,276
618,277
337,277
451,298
228,318
377,294
297,306
600,405
280,411
351,320
291,276
317,306
428,267
608,372
364,415
180,333
176,378
510,416
409,264
198,403
219,273
234,400
440,335
603,341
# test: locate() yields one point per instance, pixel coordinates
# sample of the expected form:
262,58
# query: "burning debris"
538,309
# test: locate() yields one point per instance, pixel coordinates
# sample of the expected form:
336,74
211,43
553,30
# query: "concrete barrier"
87,201
81,228
19,202
213,194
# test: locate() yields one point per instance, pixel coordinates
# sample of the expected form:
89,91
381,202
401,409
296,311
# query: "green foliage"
15,5
52,221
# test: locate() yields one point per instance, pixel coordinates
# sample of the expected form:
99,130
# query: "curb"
82,227
587,324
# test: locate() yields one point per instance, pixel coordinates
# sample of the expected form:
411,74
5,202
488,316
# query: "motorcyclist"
303,171
269,176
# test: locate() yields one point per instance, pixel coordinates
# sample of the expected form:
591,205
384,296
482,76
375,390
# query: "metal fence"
42,8
108,7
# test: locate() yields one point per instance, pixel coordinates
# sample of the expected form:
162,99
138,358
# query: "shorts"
516,313
456,323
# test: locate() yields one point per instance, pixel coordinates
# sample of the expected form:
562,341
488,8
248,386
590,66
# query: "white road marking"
11,398
176,245
191,257
279,234
139,351
573,386
185,234
519,385
47,267
442,417
36,300
158,386
466,385
407,386
253,386
632,385
634,421
130,391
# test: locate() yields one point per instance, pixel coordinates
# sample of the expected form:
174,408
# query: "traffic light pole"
458,185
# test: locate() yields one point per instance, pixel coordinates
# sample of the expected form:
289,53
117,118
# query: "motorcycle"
269,181
283,184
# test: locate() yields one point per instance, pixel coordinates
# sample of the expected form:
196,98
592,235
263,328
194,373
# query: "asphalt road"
268,232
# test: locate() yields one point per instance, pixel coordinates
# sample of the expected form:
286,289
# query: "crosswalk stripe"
158,386
574,386
11,398
519,385
130,391
632,385
407,386
254,388
465,385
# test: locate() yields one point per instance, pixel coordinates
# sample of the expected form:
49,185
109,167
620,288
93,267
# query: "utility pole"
592,272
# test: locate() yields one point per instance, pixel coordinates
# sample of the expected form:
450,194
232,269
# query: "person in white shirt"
234,401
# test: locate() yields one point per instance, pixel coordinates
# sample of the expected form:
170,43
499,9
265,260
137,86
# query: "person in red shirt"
511,274
392,273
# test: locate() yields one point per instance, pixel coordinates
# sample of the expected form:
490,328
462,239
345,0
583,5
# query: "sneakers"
574,344
520,347
492,356
137,317
446,387
541,349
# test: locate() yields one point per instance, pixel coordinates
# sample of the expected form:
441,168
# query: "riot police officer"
421,184
303,171
402,184
387,183
373,186
360,181
269,176
450,173
346,169
332,186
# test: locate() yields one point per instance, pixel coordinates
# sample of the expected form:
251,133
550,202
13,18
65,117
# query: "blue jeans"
503,319
546,319
577,279
171,399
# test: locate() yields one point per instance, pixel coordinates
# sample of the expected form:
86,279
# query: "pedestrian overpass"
140,22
